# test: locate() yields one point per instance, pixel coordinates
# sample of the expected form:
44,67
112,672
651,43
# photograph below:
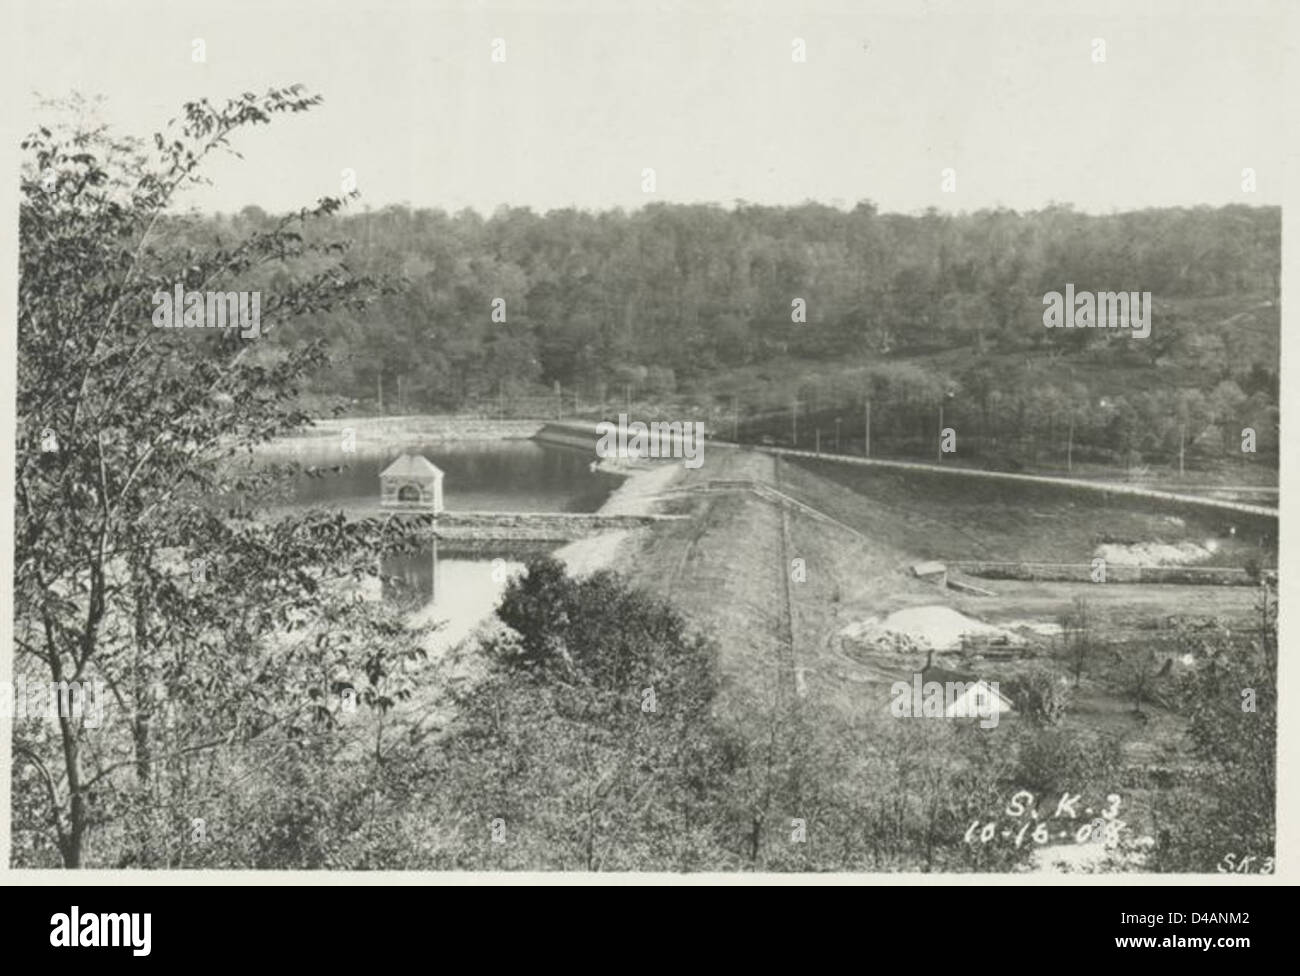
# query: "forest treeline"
697,303
694,288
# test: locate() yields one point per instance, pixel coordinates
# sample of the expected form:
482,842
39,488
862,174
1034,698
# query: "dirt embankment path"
641,493
767,577
777,562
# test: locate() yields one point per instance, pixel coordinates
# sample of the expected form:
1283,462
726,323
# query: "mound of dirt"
937,627
1154,553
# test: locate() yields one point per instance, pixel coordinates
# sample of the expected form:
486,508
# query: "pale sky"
704,92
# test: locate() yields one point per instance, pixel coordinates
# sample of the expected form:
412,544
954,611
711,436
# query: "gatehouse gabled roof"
411,466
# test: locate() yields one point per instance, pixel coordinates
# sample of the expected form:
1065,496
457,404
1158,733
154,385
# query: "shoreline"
396,432
643,481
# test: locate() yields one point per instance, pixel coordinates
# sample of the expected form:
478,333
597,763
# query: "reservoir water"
446,582
480,476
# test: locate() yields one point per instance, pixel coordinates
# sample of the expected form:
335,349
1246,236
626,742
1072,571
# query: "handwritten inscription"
1028,822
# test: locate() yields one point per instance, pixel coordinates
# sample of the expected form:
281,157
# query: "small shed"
411,482
931,572
965,695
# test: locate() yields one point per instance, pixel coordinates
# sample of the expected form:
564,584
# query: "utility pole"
1182,437
941,431
794,423
837,435
1069,449
381,391
819,440
866,444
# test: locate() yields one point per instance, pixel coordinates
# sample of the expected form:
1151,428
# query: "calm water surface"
447,583
480,476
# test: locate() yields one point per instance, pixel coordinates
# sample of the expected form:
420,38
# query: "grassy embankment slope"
727,570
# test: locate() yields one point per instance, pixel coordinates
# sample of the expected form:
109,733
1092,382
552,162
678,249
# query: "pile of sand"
584,556
937,627
638,494
1154,553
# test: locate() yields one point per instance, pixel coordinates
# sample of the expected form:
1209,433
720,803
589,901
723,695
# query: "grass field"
938,517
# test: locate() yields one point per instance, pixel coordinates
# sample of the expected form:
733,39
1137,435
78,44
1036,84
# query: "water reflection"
456,584
481,476
411,580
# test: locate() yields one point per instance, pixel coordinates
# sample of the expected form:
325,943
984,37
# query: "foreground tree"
138,561
590,743
1226,802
